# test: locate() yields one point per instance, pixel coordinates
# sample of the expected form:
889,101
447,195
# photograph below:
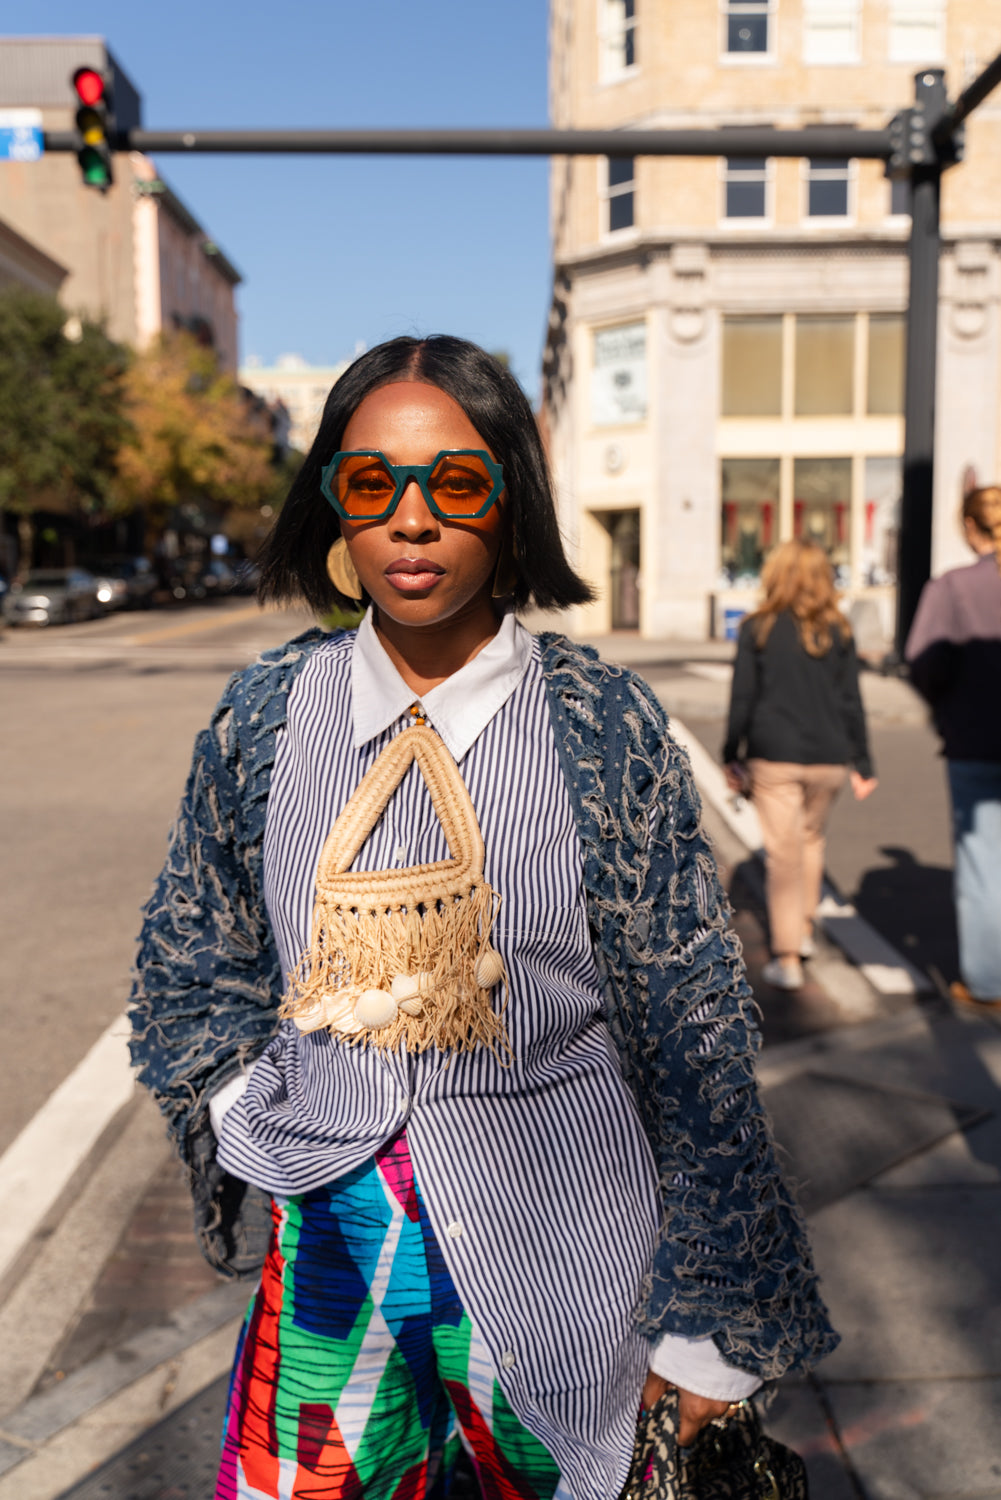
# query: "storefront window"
887,337
752,367
750,512
822,503
883,477
825,359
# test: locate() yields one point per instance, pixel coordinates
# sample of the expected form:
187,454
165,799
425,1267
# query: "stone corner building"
724,359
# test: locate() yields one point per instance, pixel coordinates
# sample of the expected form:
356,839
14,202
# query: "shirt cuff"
696,1365
225,1097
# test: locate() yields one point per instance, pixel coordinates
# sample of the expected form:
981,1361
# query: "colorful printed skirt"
358,1373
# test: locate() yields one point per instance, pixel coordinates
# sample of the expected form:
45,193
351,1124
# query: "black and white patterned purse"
730,1460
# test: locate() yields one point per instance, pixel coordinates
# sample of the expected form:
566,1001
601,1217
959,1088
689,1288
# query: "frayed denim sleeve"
733,1260
208,980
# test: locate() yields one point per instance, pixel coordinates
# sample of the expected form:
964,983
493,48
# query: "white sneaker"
783,974
807,948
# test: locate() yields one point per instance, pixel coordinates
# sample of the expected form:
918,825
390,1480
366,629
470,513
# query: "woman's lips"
414,575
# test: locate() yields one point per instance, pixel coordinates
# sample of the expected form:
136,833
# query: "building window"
827,183
620,193
825,367
830,31
750,511
885,374
917,31
618,375
747,28
617,38
821,509
745,188
881,523
752,367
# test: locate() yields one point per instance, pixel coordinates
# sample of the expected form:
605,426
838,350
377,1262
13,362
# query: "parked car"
52,596
126,583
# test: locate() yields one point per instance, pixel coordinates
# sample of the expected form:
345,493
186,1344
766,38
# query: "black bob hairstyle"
293,560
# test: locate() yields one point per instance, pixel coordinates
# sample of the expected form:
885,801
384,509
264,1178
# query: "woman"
503,1244
795,706
954,655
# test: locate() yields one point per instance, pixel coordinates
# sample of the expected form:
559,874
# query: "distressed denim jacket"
733,1261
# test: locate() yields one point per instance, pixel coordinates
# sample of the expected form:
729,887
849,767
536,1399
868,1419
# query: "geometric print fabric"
357,1365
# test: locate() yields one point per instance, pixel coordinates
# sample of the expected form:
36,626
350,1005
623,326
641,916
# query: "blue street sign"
20,134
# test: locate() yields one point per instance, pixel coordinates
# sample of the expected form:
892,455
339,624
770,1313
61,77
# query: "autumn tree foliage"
195,436
61,395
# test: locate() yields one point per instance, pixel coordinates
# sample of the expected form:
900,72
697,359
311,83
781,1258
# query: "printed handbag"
729,1460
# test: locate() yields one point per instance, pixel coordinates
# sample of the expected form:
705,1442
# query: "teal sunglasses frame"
420,474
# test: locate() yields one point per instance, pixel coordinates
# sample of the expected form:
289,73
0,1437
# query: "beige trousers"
793,802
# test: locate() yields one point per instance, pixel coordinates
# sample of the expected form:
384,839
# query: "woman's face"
417,569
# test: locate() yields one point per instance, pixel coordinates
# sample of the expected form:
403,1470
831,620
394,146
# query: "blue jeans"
976,822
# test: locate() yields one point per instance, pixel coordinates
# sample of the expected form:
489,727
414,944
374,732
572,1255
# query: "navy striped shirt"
538,1179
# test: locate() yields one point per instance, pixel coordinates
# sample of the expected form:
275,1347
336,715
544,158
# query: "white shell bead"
339,1014
409,991
375,1008
489,969
413,1006
313,1018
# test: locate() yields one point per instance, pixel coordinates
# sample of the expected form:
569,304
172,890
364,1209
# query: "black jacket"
954,654
787,705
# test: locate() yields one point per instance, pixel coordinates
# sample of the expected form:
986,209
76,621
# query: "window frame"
824,172
620,190
762,221
849,8
897,12
727,8
609,27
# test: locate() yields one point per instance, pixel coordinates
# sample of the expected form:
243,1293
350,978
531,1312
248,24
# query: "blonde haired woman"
797,717
954,655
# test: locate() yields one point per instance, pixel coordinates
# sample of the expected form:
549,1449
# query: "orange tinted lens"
460,484
363,485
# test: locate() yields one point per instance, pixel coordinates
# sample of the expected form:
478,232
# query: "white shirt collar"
460,708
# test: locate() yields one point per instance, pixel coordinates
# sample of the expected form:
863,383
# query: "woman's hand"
694,1412
736,777
863,786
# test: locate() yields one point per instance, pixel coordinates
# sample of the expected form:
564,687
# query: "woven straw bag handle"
451,802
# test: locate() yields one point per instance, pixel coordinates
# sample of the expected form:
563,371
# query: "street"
886,1104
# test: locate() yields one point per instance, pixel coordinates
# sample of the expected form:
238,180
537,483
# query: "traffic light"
94,151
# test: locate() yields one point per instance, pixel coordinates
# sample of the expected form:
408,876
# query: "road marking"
39,1164
194,627
882,965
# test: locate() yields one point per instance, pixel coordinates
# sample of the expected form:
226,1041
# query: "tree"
195,436
61,388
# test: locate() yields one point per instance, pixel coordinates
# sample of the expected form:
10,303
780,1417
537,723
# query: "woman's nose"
412,519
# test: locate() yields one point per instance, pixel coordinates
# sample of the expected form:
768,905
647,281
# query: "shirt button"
403,1101
454,1230
401,851
508,1359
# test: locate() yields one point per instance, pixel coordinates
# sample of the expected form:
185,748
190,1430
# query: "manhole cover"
840,1134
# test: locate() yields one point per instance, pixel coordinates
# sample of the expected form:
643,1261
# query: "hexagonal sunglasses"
462,484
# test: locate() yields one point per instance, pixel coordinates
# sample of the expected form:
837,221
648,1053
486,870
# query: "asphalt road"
95,740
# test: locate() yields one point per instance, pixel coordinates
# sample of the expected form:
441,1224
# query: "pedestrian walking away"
438,974
796,733
953,652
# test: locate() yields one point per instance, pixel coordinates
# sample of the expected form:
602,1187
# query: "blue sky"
338,251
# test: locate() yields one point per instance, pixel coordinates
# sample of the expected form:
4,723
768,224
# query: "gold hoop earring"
342,573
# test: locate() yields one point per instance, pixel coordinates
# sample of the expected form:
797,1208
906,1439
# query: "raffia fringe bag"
401,959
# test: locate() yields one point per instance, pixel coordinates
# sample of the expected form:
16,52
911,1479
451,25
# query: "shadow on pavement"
910,903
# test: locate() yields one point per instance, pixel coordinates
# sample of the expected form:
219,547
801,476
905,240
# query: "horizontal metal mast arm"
965,103
735,141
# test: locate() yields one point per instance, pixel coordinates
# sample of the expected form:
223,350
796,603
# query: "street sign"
20,134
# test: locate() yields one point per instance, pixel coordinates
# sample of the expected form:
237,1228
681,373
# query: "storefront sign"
618,379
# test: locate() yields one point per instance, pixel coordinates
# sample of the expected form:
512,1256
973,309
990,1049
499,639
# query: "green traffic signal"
95,167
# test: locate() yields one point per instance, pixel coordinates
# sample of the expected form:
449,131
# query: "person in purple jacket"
954,655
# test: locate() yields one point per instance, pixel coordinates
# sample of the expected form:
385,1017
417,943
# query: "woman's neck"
426,655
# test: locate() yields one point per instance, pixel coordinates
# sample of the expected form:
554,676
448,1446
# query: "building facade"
300,387
725,353
134,256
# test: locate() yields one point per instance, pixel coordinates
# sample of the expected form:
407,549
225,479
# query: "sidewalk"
886,1103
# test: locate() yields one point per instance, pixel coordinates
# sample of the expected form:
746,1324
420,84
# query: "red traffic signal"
94,149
